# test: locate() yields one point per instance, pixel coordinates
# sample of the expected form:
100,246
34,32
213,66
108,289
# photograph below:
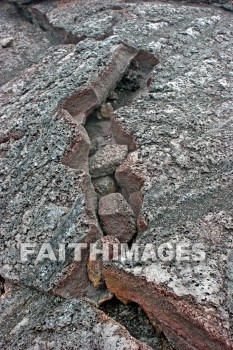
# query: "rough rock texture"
107,159
131,174
106,110
180,124
117,217
105,249
31,320
104,185
47,194
29,44
184,127
137,323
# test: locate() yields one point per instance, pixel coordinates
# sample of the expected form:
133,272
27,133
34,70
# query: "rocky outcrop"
30,319
45,160
166,143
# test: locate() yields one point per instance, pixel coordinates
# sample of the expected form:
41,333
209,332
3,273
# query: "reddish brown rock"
77,156
135,201
106,110
122,136
131,174
117,217
181,320
107,159
109,246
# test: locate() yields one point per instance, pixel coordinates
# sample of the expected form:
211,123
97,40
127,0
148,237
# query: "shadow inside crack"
2,285
134,319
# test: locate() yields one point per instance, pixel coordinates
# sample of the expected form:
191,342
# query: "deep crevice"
2,285
134,319
55,34
99,122
99,128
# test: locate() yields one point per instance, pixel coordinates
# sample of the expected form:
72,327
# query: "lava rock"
117,217
107,159
43,321
104,186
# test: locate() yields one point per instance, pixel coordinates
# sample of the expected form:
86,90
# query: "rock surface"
107,159
177,178
47,322
30,43
104,186
47,194
117,217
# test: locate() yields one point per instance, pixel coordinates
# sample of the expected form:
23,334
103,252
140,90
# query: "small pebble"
7,42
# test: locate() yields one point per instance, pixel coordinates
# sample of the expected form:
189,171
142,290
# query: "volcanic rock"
117,217
107,159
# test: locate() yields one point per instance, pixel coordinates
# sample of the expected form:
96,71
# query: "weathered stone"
99,131
122,136
77,156
113,96
107,159
182,122
106,246
31,320
104,185
7,42
131,174
117,217
47,193
135,201
187,196
106,110
30,43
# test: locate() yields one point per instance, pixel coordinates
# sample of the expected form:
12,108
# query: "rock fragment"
131,174
110,248
106,110
104,186
7,42
117,217
107,159
32,320
113,96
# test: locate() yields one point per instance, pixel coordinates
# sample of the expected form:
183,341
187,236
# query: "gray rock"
32,320
104,185
117,217
30,43
47,194
107,159
182,122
